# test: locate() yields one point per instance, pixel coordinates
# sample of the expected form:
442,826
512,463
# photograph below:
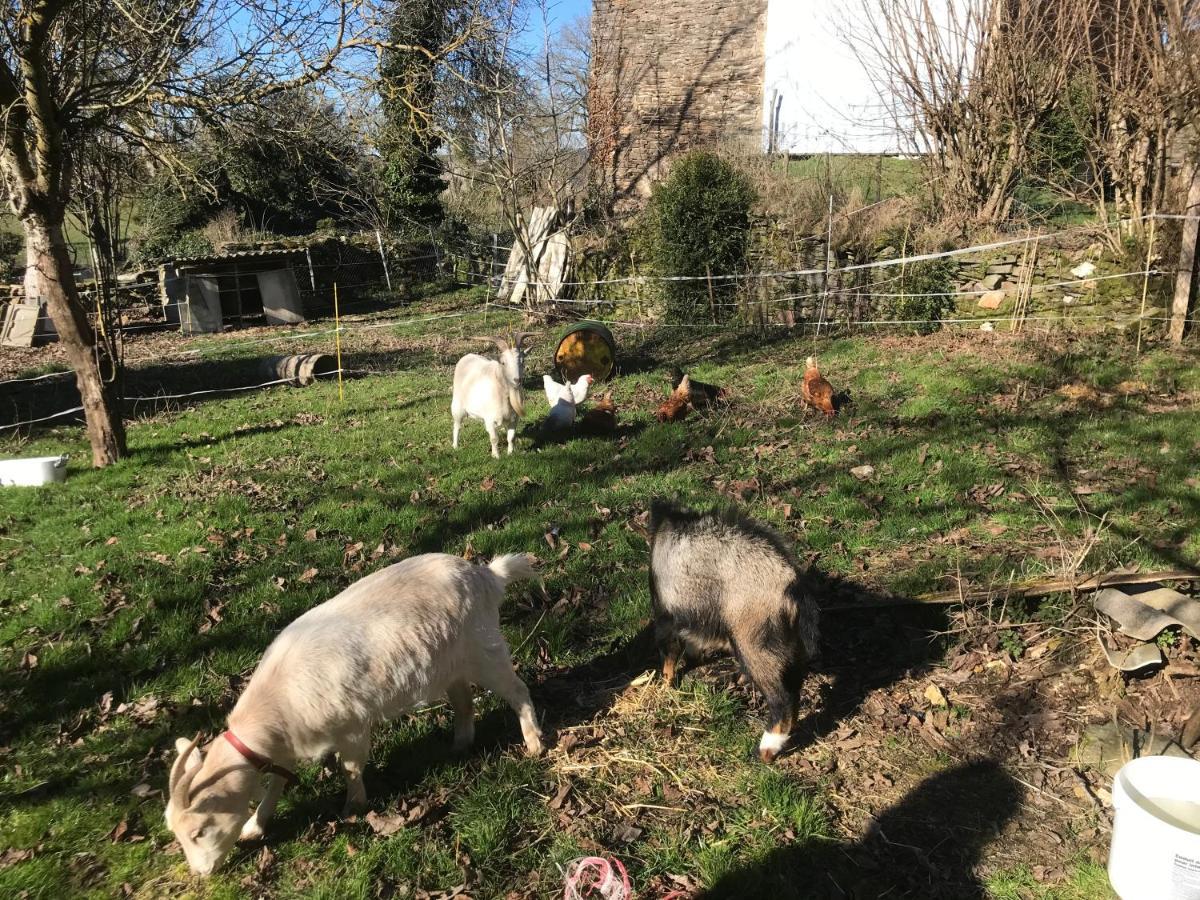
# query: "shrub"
926,294
698,223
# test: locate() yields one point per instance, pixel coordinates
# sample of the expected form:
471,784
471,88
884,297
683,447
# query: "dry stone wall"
669,76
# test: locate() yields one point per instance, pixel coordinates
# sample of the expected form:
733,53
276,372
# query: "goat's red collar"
258,761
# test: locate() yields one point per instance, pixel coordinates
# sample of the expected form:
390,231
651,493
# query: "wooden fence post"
1187,259
383,258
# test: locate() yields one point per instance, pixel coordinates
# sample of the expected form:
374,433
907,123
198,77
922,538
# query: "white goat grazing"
490,390
563,398
424,628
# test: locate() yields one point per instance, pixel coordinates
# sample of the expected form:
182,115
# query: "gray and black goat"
722,581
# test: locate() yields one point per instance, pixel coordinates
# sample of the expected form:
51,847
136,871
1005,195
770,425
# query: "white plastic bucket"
1155,853
33,470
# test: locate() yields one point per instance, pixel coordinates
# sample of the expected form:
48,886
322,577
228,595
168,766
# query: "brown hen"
676,406
700,394
601,418
816,391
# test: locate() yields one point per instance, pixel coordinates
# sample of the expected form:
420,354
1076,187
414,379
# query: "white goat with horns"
422,629
490,390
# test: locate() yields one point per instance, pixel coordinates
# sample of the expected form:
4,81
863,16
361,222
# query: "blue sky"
561,12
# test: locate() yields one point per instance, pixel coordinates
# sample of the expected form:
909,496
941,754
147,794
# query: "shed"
205,293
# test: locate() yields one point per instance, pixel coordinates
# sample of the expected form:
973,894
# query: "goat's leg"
769,670
353,750
257,823
463,700
670,646
457,415
496,674
512,432
493,437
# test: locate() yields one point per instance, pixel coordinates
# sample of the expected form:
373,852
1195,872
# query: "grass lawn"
77,241
872,175
136,600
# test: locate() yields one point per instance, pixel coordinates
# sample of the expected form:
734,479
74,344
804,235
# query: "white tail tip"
514,567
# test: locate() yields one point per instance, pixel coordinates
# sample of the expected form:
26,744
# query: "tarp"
201,309
280,297
26,323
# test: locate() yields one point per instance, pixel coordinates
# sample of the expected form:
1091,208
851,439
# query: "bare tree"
1137,99
516,124
139,70
972,81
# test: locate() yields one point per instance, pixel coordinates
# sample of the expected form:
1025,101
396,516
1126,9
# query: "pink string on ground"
595,876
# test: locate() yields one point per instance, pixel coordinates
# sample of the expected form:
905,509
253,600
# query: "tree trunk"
49,277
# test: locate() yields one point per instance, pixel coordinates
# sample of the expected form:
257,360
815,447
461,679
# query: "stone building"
669,76
672,75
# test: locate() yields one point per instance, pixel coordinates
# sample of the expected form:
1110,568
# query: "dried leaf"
627,833
488,484
310,535
11,857
29,662
385,825
142,791
112,541
560,796
862,473
308,575
935,696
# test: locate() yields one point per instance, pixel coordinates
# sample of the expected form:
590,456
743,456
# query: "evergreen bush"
698,224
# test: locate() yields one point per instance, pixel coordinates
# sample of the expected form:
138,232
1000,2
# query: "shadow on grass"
926,846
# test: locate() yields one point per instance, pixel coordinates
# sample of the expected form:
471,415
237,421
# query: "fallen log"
1028,589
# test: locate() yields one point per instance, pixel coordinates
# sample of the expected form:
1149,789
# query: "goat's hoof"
534,747
251,831
772,744
354,807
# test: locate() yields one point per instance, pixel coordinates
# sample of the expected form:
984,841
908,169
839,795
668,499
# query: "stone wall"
669,76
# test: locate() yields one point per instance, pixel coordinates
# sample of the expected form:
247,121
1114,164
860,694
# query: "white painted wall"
827,101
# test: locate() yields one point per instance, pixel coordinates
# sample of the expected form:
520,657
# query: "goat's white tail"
513,567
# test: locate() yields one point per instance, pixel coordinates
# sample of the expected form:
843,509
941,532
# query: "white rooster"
563,398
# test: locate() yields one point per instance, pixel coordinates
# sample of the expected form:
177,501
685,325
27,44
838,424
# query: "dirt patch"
938,767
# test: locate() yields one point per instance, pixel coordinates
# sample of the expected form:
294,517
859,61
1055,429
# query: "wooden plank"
1028,590
540,223
1185,272
552,268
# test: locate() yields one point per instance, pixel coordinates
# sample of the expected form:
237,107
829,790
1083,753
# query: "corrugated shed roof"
234,255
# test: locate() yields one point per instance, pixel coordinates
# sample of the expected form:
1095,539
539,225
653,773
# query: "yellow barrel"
586,348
